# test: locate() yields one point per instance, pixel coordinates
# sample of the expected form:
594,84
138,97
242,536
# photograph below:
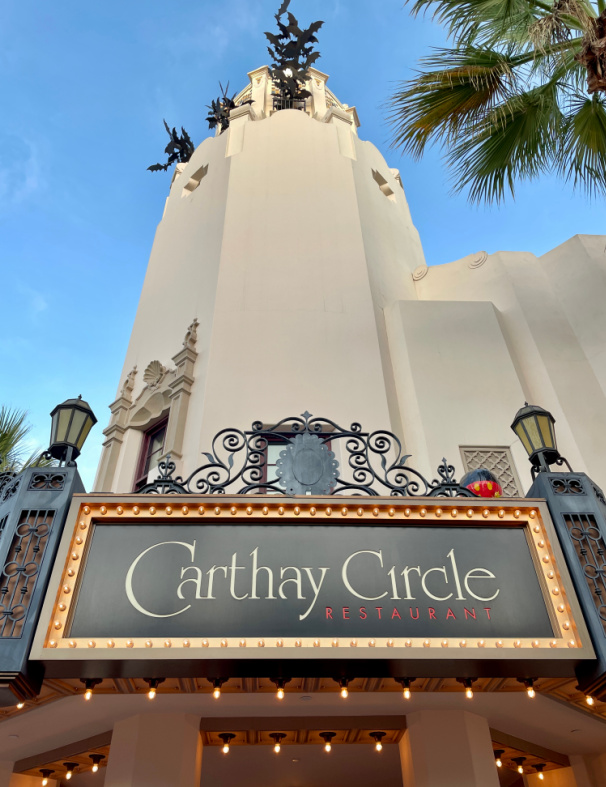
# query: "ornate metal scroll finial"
372,464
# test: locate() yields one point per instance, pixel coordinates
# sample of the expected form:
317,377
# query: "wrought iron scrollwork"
43,481
373,463
566,486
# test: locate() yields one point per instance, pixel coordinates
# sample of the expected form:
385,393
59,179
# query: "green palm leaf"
582,154
13,433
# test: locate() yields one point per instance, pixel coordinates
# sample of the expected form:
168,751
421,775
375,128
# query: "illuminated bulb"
469,693
44,782
20,705
68,775
344,693
95,767
277,748
541,776
88,694
217,693
378,746
225,748
407,694
520,769
589,700
531,692
327,746
499,762
280,696
151,693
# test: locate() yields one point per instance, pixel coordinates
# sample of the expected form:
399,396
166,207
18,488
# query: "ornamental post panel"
578,509
33,509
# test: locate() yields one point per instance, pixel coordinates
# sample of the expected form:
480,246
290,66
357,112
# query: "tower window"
151,451
383,185
195,180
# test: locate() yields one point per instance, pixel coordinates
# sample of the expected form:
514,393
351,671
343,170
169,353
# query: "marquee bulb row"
280,683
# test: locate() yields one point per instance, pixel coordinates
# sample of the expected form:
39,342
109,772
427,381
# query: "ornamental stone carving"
129,384
479,259
154,374
420,272
191,335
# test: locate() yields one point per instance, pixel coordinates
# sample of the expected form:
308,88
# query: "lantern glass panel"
532,428
546,431
521,433
75,427
84,433
62,426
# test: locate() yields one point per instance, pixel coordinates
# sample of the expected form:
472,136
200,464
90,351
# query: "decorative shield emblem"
306,466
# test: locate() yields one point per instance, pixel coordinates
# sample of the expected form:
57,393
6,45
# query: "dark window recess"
151,451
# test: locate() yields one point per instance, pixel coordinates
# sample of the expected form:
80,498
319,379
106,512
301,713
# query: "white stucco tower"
285,237
286,275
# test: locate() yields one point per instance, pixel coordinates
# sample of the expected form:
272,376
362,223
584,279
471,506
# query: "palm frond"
460,87
486,21
13,433
582,155
517,139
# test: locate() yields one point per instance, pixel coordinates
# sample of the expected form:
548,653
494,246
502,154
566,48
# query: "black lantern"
534,426
71,423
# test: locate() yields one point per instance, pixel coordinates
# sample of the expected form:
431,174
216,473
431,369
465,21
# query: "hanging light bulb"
89,685
96,758
529,686
277,738
468,683
344,683
280,683
378,737
70,768
519,762
20,705
327,737
589,700
217,683
226,737
498,753
45,772
153,684
539,769
405,683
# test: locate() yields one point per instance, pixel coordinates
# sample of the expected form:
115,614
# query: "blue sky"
84,88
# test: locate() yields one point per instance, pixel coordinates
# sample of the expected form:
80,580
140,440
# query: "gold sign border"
555,584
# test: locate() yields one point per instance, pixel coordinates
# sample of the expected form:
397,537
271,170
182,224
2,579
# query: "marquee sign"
249,585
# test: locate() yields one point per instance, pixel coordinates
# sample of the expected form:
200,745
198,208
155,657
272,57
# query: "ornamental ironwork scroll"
374,464
591,551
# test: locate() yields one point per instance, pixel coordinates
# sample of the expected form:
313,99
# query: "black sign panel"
207,580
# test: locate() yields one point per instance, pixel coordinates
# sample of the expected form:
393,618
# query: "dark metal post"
33,509
578,508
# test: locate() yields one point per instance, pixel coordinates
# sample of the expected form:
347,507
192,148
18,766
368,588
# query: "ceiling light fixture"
226,737
46,772
498,753
327,738
277,738
70,767
519,761
153,684
89,685
378,737
280,683
217,683
96,758
405,683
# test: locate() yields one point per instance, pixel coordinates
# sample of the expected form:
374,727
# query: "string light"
327,738
539,769
226,737
277,738
498,753
217,683
378,737
70,768
96,758
153,684
46,772
405,683
518,761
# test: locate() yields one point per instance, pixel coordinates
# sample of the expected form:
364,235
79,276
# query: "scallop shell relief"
153,374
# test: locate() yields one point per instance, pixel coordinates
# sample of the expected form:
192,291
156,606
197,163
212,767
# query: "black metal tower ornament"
372,464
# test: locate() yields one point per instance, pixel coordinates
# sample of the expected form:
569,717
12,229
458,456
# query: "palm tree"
522,92
13,451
